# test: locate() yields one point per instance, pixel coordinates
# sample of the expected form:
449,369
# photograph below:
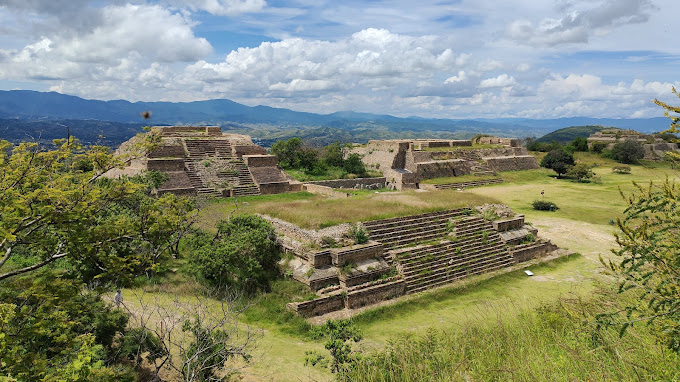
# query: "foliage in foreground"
555,342
649,267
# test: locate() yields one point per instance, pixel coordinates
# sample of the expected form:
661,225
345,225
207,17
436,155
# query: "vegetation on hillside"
568,134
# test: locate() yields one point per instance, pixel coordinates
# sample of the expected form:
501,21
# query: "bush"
242,254
598,147
359,234
544,205
621,169
628,152
580,172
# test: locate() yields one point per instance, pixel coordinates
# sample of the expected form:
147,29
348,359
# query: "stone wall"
320,259
167,152
358,278
318,306
350,183
508,224
183,129
261,160
241,150
510,142
165,165
356,253
375,294
530,251
323,190
276,188
439,169
512,163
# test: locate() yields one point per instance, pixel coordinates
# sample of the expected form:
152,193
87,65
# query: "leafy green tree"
628,152
307,158
558,160
339,335
56,204
354,165
580,172
53,330
241,254
286,151
333,155
580,144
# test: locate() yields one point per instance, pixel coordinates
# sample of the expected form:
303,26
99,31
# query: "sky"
437,59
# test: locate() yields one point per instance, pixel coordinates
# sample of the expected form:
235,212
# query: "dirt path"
590,240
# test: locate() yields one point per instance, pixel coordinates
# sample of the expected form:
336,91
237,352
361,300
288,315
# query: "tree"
580,144
354,165
580,171
52,329
629,151
242,254
333,154
650,265
558,160
671,112
339,335
56,204
286,151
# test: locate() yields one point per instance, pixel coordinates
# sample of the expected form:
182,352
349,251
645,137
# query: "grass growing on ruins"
475,146
318,211
458,179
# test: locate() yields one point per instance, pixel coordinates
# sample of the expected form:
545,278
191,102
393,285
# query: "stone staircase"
399,232
200,148
474,183
196,182
481,168
476,249
246,182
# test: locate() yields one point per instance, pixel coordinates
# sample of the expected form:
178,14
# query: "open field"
582,224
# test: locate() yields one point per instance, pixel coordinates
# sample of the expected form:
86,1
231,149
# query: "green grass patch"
457,179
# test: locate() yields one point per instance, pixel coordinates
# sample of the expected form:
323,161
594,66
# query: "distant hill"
568,134
28,114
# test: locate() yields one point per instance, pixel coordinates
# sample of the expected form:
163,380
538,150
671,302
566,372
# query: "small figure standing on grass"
543,193
118,298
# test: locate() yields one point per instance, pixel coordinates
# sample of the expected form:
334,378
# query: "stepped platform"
469,184
399,232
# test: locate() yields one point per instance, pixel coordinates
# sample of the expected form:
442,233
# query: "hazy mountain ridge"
25,114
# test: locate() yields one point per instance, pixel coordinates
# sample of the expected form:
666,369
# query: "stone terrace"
411,254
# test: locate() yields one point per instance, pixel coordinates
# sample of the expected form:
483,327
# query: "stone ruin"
655,147
404,255
407,162
205,161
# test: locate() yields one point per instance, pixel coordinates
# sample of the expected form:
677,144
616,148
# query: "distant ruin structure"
205,161
407,162
404,255
655,147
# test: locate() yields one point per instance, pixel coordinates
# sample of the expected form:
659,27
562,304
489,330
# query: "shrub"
598,147
621,169
544,205
580,172
359,234
628,152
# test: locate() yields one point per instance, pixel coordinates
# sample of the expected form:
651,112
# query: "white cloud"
579,20
454,79
222,7
498,82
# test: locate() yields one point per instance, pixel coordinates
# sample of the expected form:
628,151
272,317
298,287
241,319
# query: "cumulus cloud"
126,33
579,21
498,82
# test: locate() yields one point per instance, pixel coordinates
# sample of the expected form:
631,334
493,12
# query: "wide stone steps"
246,190
433,283
425,276
377,225
201,148
412,259
407,239
451,258
476,183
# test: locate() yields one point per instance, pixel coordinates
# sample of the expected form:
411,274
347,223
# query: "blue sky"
444,59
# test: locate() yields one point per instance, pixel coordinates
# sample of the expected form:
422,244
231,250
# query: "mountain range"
26,114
